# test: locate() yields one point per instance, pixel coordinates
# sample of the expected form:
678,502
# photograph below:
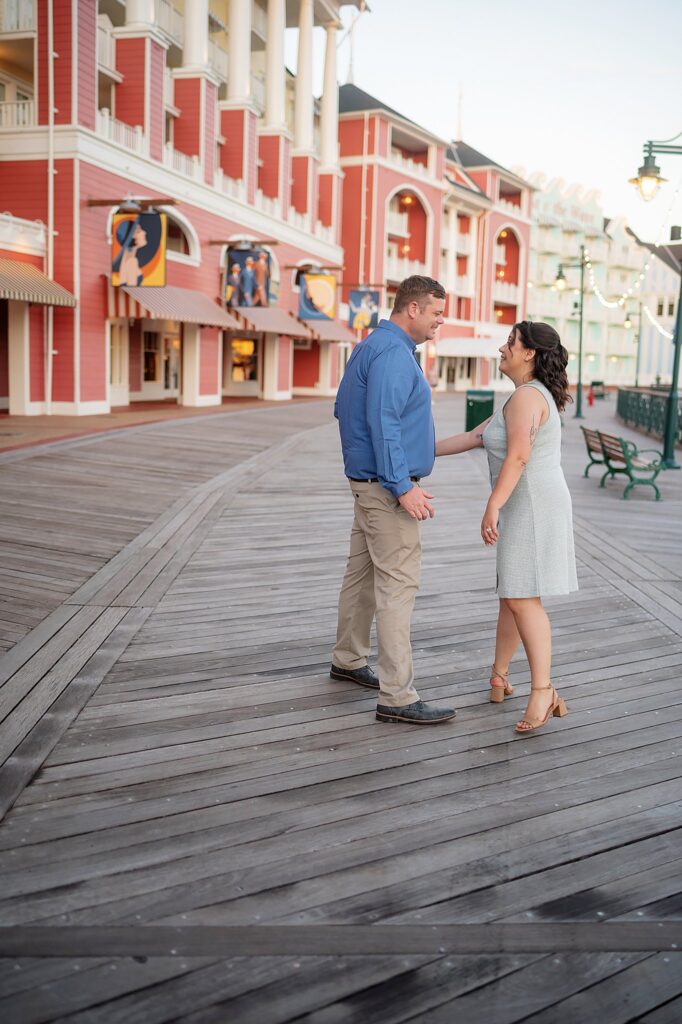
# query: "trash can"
480,405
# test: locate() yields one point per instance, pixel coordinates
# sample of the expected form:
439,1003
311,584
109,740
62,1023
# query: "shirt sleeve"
389,385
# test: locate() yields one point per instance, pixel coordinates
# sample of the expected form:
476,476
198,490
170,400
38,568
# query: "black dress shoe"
363,676
418,713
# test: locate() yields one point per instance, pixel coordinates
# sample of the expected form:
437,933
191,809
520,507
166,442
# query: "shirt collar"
389,325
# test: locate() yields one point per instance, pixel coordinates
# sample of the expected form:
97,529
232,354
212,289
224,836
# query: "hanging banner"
247,281
317,299
363,309
138,250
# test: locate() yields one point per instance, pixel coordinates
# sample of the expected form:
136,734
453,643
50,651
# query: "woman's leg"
536,635
507,639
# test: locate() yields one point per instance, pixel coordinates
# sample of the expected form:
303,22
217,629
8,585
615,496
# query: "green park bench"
623,457
593,449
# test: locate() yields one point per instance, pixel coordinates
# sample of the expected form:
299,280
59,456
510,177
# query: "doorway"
119,392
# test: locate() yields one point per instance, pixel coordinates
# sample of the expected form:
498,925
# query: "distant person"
387,436
234,286
247,282
529,514
261,274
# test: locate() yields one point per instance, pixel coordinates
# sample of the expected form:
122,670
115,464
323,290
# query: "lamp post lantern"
648,180
560,284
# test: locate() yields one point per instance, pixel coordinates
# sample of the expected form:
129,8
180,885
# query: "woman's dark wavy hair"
551,359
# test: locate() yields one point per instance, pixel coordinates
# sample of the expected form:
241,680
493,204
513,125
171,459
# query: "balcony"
217,58
106,44
17,114
463,287
598,250
298,220
235,188
409,166
17,16
190,166
268,204
504,291
398,268
171,21
463,245
397,224
258,91
122,134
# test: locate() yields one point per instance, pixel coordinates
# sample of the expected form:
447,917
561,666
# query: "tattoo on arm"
533,432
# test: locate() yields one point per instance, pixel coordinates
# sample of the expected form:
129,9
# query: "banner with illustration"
247,278
317,298
138,250
363,309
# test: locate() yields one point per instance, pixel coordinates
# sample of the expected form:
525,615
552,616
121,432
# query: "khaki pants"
381,583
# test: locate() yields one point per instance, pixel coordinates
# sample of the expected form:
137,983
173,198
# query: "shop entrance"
242,363
160,365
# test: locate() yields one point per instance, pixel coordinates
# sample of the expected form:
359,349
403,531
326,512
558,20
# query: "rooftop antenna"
350,33
460,130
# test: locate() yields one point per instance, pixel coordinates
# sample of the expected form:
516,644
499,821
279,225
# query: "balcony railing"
17,113
17,16
504,291
125,135
259,20
397,223
268,204
106,47
235,188
190,166
463,245
217,58
398,268
298,220
645,409
463,287
170,20
324,232
258,91
168,88
411,166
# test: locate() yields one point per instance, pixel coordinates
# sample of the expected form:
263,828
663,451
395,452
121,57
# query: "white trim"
22,236
75,61
147,87
29,144
76,280
382,161
80,408
202,124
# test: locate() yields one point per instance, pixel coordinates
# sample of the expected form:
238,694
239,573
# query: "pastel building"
186,106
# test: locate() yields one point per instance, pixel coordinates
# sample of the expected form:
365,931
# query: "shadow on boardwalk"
180,772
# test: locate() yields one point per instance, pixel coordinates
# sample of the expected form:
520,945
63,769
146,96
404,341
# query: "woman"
528,515
132,237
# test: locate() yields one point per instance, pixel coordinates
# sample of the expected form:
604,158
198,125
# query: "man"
247,282
234,288
260,273
388,441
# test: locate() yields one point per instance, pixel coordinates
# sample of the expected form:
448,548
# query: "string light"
652,320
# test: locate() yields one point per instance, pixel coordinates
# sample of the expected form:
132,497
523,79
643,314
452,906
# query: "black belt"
375,480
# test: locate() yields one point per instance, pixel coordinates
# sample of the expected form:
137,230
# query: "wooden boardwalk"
201,827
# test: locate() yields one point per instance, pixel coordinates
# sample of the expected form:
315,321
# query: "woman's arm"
525,413
459,443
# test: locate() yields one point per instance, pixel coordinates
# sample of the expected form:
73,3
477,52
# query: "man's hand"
416,504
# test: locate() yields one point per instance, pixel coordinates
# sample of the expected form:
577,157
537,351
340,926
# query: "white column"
303,114
329,113
191,340
275,113
195,49
18,339
239,50
451,282
140,12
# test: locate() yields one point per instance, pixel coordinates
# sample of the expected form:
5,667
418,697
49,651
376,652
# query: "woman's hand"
489,531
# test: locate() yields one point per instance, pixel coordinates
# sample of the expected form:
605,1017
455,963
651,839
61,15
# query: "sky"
572,90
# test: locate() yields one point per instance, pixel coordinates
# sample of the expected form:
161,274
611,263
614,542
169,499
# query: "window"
244,359
659,309
177,239
152,353
671,308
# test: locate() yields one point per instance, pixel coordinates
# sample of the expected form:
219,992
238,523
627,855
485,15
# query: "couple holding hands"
388,440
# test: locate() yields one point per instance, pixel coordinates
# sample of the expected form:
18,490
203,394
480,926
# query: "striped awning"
23,282
330,330
273,320
171,303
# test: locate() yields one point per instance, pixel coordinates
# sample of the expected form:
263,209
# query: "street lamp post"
560,283
648,181
628,324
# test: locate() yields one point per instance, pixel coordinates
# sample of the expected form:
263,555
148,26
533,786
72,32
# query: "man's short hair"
417,289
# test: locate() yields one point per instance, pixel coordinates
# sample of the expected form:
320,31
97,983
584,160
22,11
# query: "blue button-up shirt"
384,411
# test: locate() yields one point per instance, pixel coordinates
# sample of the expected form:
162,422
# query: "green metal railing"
645,408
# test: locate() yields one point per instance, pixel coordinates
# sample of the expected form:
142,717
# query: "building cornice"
382,161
